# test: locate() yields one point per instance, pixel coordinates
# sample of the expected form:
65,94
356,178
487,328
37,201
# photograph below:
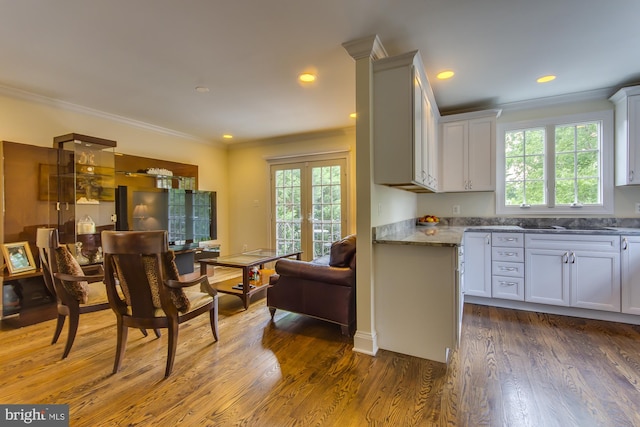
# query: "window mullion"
550,160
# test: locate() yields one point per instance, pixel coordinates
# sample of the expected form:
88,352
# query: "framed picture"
18,257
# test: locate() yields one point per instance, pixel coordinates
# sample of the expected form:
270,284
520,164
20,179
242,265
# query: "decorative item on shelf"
428,220
17,257
159,171
86,225
98,258
254,275
92,190
82,260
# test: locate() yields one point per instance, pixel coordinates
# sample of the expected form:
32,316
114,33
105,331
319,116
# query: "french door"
308,206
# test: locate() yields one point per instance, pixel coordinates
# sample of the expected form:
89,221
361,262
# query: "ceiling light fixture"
227,136
307,77
545,79
444,75
202,89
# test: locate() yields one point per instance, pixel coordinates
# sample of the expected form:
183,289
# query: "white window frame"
606,168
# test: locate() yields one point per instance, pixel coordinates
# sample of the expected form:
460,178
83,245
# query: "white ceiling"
142,59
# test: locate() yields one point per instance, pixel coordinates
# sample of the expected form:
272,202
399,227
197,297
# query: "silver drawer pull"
509,239
508,253
505,284
508,268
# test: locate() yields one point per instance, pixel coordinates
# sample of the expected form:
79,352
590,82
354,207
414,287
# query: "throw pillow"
67,264
342,251
178,297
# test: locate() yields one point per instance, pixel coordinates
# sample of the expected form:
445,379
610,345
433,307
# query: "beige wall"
249,180
37,121
482,204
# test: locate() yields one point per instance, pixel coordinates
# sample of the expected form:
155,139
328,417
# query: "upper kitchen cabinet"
405,118
468,151
627,131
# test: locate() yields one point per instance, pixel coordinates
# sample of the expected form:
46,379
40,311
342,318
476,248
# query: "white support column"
364,51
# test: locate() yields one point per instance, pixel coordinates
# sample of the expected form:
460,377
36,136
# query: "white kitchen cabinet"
630,270
570,270
627,135
468,151
477,264
507,266
404,120
546,279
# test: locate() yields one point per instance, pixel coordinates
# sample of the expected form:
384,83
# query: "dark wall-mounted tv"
190,216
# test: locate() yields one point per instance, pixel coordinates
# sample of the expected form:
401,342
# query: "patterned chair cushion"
178,297
67,264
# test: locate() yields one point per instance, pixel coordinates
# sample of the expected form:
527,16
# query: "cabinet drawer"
507,287
512,269
507,254
515,240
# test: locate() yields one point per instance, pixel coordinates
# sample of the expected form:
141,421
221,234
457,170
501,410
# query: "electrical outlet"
245,248
638,208
456,209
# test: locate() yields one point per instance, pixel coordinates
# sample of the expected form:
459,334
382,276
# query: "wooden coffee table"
245,261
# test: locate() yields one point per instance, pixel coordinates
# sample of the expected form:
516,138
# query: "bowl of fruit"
428,220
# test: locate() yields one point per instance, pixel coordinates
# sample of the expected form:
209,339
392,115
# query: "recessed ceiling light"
444,75
353,115
202,89
307,77
227,136
545,79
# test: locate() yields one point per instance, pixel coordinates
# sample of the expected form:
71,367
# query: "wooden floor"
513,369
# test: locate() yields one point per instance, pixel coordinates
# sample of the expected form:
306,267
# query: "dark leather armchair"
324,288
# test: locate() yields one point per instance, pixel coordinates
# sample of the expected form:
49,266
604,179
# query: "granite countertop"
440,235
443,235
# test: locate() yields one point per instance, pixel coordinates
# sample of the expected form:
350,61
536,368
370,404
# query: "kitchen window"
562,165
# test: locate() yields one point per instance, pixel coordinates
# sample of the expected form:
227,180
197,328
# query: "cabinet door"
630,269
547,276
454,136
633,140
419,149
431,138
595,280
477,264
480,155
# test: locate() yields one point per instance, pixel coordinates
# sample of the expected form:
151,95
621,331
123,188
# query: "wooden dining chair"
76,292
153,296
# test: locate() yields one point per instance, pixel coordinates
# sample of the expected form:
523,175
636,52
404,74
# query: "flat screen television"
188,215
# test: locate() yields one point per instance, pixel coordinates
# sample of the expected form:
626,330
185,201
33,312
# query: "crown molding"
591,95
57,103
365,47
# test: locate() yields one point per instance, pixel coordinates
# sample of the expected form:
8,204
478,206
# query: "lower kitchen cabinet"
630,270
575,271
477,266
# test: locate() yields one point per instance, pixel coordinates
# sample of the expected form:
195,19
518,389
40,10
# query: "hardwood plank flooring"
512,369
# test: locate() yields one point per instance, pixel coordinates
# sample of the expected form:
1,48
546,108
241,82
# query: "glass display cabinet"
86,189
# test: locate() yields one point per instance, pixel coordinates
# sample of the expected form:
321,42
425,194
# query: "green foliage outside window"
576,166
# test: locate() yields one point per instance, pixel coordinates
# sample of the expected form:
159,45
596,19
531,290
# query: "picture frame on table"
18,258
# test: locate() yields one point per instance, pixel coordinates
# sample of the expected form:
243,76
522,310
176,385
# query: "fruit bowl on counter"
428,220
